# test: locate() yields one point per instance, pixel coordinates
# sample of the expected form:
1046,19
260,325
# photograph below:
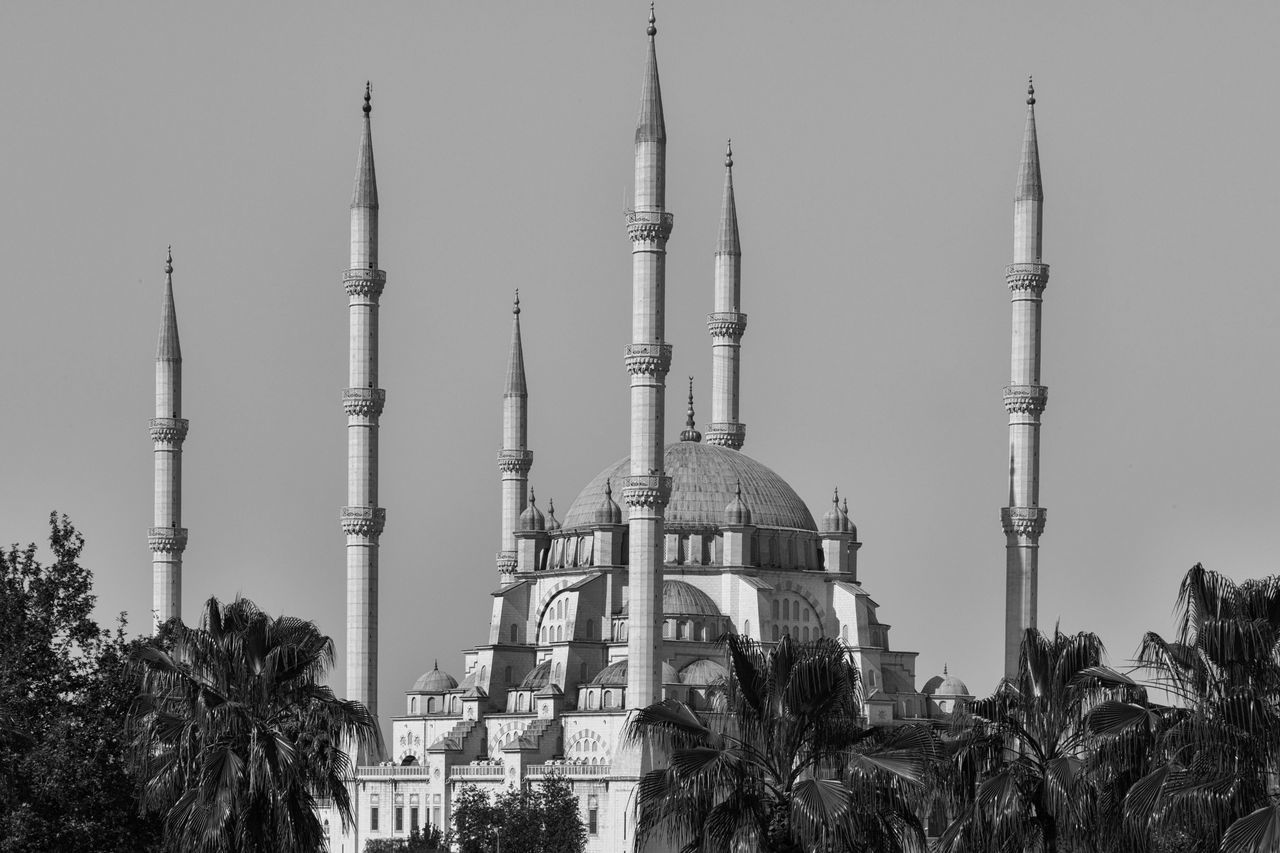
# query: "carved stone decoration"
1027,278
169,430
726,324
646,490
515,461
365,521
647,226
730,435
1025,399
363,402
167,540
507,562
648,358
365,284
1025,522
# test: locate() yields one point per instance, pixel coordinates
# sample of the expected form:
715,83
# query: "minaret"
168,538
514,459
1024,399
648,359
362,518
727,324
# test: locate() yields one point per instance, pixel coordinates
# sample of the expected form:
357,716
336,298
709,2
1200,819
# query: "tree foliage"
236,737
433,839
532,818
64,689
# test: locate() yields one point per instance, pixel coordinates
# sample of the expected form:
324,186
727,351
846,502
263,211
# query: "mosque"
620,602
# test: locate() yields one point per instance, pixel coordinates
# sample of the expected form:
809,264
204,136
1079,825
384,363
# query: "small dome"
834,520
683,599
537,677
615,675
703,671
532,517
608,512
945,685
737,512
434,681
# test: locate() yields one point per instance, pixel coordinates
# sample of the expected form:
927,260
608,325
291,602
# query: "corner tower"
167,538
1024,398
514,459
727,323
362,518
648,358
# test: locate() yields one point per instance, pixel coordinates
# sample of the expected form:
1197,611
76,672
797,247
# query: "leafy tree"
788,765
235,736
64,690
531,819
431,840
1215,775
1021,753
474,820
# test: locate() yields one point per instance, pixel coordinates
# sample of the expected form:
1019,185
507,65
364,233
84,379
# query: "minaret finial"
368,97
653,21
689,433
835,496
516,307
728,154
608,488
532,498
1031,92
944,670
168,264
844,506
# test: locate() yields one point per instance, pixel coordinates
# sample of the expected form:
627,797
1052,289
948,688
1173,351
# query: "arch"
774,604
522,702
589,629
559,633
666,629
805,633
413,705
804,614
514,632
431,705
608,698
746,627
593,700
456,705
559,671
786,608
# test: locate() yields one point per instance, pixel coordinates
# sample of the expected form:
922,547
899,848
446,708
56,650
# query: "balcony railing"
573,771
477,771
396,771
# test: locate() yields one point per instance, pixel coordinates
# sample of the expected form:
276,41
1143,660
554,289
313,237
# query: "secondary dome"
704,671
434,681
683,599
704,480
537,677
945,685
615,675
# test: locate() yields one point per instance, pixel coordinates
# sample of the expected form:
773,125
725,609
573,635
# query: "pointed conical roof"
1029,187
365,193
168,349
515,361
650,126
728,242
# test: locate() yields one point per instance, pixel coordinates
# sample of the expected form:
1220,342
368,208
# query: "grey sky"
876,148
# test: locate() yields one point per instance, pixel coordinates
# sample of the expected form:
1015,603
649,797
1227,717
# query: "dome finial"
1031,92
689,433
944,670
168,264
516,307
608,488
835,496
435,665
653,29
728,154
368,97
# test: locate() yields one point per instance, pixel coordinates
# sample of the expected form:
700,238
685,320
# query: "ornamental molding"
1024,522
515,461
367,521
1027,278
364,283
648,358
363,402
167,540
169,430
730,435
646,490
1025,399
726,324
506,562
649,226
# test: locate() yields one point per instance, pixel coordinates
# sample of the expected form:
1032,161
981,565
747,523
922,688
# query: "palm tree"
1216,777
234,737
1021,753
784,762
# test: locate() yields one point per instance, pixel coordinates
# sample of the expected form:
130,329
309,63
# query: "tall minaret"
648,359
1024,399
168,538
362,518
727,324
514,459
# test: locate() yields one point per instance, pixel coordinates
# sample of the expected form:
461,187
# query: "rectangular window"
593,812
413,819
399,818
373,818
435,816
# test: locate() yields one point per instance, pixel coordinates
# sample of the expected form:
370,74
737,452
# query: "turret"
727,323
167,538
514,459
839,539
648,358
1024,397
362,519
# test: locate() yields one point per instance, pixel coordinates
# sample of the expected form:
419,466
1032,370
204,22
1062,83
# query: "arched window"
775,633
608,698
666,629
786,609
558,672
682,628
775,608
522,703
844,633
746,627
559,633
513,632
806,634
593,700
457,705
413,705
431,705
805,614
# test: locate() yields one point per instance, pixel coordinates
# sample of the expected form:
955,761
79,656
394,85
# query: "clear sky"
876,147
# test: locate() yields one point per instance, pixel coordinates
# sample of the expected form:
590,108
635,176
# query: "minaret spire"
648,359
168,538
514,459
727,323
1024,398
362,519
690,433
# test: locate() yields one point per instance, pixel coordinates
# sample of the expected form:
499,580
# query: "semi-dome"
615,675
434,681
703,671
537,677
704,480
683,599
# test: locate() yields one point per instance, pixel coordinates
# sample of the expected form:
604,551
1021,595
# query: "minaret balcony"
515,461
363,402
648,358
649,226
1025,399
726,324
169,430
1027,278
723,434
366,521
367,284
167,540
646,490
1024,522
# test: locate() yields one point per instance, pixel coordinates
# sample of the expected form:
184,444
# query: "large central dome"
704,480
